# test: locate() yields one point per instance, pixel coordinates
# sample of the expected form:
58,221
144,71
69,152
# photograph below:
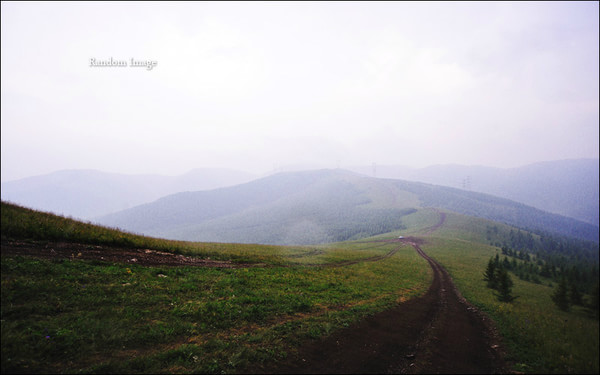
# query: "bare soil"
144,257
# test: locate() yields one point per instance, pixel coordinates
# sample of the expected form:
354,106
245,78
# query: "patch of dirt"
144,257
441,222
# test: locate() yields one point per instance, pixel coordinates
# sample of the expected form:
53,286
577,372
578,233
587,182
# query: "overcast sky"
258,86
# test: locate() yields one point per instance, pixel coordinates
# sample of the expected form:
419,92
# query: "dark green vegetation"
496,276
560,295
571,263
321,206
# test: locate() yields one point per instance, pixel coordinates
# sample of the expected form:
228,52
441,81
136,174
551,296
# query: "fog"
263,86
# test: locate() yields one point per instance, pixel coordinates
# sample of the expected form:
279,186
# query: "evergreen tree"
574,296
504,286
594,304
490,274
560,297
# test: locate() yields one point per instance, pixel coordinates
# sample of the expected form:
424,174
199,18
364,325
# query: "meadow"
539,337
70,315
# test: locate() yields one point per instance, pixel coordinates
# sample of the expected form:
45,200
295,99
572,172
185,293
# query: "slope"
566,187
320,206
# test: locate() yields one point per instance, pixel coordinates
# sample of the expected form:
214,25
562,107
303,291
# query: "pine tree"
574,296
504,286
490,274
594,304
560,297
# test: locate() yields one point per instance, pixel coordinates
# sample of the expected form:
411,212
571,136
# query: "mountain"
299,208
321,206
86,194
566,187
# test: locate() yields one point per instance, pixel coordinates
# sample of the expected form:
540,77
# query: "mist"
163,88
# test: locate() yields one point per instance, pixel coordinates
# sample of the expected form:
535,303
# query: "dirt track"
436,333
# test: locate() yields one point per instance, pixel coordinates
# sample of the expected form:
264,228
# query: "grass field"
97,317
91,316
540,337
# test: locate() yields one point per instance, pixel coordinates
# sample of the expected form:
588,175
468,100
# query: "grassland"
90,316
69,315
540,338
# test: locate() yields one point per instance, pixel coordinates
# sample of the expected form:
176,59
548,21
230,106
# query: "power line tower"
466,183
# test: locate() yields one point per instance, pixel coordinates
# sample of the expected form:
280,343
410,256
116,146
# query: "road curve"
436,333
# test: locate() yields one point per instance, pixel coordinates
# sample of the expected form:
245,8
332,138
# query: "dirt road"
436,333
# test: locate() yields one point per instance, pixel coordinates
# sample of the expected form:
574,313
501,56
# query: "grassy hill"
565,187
75,315
321,206
540,337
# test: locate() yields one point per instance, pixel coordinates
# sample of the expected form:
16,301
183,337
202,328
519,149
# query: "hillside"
565,187
86,194
288,208
321,206
82,298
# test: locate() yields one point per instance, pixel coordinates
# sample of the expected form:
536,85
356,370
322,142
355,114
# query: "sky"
262,86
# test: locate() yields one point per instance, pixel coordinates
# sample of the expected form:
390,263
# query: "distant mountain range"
86,194
321,206
307,207
567,187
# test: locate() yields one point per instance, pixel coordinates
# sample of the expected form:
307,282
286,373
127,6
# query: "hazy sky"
258,85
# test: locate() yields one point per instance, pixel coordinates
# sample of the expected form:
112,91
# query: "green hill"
71,314
321,206
565,187
77,315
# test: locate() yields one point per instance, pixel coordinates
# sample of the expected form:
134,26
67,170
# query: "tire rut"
438,332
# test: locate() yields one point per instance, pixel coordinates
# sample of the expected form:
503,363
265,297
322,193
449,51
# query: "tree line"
575,274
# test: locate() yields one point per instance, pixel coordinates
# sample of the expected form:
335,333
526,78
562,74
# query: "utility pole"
466,183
